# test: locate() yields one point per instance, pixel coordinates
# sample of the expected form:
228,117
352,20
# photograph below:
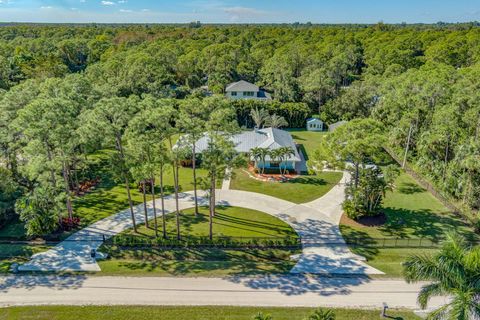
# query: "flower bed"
268,177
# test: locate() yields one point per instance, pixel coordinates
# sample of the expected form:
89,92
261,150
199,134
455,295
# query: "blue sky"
237,11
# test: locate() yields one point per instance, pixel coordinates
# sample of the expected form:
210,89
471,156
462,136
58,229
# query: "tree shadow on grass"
410,188
207,260
308,180
402,223
360,242
247,224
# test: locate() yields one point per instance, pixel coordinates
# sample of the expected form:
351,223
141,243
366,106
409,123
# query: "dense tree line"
57,83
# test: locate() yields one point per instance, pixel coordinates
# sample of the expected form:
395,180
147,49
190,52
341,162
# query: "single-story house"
245,90
333,126
314,124
269,138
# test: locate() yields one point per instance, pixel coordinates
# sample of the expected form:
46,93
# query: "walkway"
279,291
324,250
228,178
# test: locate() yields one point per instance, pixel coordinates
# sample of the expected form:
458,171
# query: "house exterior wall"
289,165
241,95
315,126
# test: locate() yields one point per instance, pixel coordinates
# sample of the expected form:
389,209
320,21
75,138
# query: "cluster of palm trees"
281,155
261,117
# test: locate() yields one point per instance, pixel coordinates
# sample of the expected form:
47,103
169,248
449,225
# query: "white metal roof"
270,138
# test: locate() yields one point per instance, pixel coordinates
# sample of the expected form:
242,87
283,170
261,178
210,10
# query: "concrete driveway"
324,250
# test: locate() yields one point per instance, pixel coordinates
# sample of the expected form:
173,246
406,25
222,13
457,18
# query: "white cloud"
108,3
125,10
243,11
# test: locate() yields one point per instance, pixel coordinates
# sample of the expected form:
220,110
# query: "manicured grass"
310,140
412,213
20,250
300,190
204,262
11,253
110,196
229,222
190,313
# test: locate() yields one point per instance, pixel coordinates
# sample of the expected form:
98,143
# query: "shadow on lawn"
402,223
410,188
247,224
314,181
201,261
360,242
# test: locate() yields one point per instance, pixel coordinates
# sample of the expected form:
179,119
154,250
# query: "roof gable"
242,85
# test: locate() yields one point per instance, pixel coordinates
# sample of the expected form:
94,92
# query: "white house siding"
241,95
289,165
314,125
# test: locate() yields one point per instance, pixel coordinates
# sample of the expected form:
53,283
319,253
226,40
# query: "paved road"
250,291
324,250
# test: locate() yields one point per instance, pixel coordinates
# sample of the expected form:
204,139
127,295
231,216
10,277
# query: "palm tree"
275,121
263,154
259,117
285,153
276,155
453,272
256,154
322,314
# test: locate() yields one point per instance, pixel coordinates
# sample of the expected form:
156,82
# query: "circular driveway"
324,250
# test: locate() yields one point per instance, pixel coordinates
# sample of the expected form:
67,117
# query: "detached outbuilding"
314,124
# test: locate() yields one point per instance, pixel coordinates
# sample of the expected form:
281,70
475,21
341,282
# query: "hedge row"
221,242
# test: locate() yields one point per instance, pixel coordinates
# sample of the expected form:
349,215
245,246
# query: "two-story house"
246,90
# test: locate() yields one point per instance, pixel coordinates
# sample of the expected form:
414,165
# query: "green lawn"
110,196
194,262
300,190
190,313
308,139
412,213
229,222
10,253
